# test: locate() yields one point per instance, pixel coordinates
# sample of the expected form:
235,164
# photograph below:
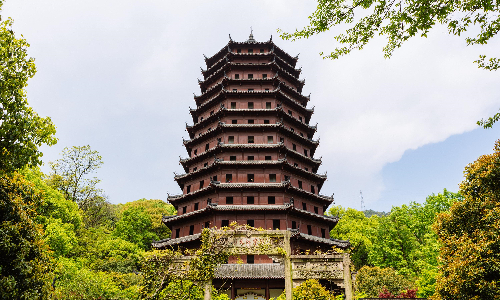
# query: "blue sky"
120,76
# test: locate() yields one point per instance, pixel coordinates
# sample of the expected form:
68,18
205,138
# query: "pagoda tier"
251,152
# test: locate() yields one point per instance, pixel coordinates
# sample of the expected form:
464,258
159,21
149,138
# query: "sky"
120,76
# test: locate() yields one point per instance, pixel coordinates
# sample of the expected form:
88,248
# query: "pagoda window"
207,146
251,121
276,224
312,189
195,152
261,50
224,223
215,178
282,140
232,158
195,168
238,51
184,209
268,104
294,147
268,157
250,76
212,113
235,90
272,177
290,112
250,259
300,184
229,177
323,233
202,183
201,119
264,76
234,121
236,76
293,130
270,139
188,188
250,139
296,165
207,224
177,232
229,200
250,200
250,90
300,119
305,152
250,50
271,200
251,223
266,121
230,139
294,225
250,157
205,165
307,169
316,211
267,90
191,230
196,206
250,105
304,206
233,105
287,178
301,134
309,230
219,140
250,177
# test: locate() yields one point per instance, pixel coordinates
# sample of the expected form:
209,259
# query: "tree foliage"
470,255
371,281
25,263
400,21
310,289
135,226
22,130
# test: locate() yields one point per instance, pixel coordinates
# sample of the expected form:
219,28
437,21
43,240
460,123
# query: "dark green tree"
470,252
25,263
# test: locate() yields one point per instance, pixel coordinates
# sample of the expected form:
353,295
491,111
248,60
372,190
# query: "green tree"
470,255
372,280
135,226
156,209
22,130
405,241
310,289
70,175
358,229
401,20
25,263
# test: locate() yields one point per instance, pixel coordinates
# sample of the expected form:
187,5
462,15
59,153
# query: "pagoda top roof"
251,41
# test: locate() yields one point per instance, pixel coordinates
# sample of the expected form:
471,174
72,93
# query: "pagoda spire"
250,38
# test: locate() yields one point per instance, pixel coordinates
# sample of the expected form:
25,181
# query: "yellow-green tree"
469,234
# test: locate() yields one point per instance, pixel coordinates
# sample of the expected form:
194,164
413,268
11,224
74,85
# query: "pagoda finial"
271,39
250,38
230,39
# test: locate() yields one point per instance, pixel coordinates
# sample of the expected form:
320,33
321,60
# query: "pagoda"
251,161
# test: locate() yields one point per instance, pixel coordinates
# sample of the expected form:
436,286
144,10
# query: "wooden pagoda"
251,161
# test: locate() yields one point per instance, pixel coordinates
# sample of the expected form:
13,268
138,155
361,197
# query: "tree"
470,256
135,226
70,175
22,130
401,20
371,281
155,208
360,231
310,289
25,262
